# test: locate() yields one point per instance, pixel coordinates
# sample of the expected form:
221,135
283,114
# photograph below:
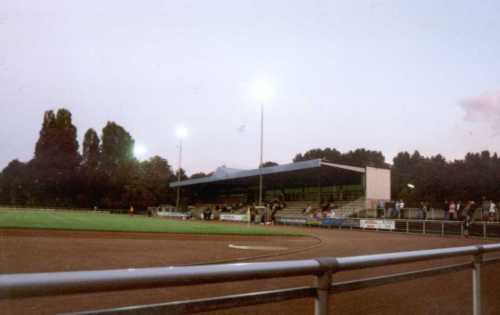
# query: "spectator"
397,208
485,208
307,209
424,208
492,211
459,210
452,210
401,207
380,209
469,216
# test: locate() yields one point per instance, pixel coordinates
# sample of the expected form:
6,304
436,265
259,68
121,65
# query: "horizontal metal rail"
58,283
210,304
398,277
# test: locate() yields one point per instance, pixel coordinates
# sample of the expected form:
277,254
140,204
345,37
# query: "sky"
383,75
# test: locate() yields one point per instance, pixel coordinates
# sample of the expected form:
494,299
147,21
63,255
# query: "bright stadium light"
411,186
181,132
139,151
262,90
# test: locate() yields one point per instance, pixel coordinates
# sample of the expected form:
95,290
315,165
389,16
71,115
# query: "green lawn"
77,220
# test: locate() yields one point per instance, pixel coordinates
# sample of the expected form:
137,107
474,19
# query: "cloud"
484,108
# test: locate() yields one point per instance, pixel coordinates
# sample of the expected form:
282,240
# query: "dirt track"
41,251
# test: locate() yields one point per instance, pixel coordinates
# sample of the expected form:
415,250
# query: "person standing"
469,215
485,207
452,210
423,207
401,208
459,210
397,208
446,210
492,211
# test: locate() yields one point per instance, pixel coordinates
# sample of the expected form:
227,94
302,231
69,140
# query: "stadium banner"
349,222
233,217
291,220
333,222
378,224
173,214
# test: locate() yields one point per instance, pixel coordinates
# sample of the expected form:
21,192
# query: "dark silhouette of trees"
358,157
436,179
14,181
269,164
91,176
56,163
107,175
198,175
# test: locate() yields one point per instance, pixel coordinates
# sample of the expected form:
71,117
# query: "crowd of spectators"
485,210
326,210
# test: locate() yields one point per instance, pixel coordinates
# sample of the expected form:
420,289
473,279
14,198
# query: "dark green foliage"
358,157
106,175
54,169
436,179
198,175
269,164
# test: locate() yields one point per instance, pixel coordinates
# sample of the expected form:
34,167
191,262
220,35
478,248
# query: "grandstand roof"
223,173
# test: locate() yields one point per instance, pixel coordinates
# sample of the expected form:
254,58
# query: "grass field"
77,220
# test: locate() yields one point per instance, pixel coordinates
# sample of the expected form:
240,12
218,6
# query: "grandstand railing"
483,229
60,283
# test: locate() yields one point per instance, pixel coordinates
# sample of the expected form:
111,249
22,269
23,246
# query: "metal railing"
484,229
60,283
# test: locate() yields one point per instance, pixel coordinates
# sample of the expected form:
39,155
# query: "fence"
59,283
482,229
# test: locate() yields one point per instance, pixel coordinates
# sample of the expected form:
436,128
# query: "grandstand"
352,189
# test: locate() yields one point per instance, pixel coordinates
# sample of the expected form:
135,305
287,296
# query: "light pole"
261,151
262,91
181,133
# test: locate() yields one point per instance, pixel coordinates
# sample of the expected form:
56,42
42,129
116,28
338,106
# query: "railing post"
484,230
423,228
442,228
476,282
407,226
323,283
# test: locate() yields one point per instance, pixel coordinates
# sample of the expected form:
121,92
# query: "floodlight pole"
261,151
179,177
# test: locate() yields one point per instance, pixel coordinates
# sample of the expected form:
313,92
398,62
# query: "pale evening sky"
384,75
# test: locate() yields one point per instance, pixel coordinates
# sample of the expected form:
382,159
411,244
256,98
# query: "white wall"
378,183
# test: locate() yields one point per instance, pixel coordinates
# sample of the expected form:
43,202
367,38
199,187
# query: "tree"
358,157
118,165
91,176
14,184
269,164
91,150
117,146
56,162
174,177
156,173
198,175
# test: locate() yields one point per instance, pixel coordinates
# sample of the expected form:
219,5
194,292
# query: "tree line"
105,173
